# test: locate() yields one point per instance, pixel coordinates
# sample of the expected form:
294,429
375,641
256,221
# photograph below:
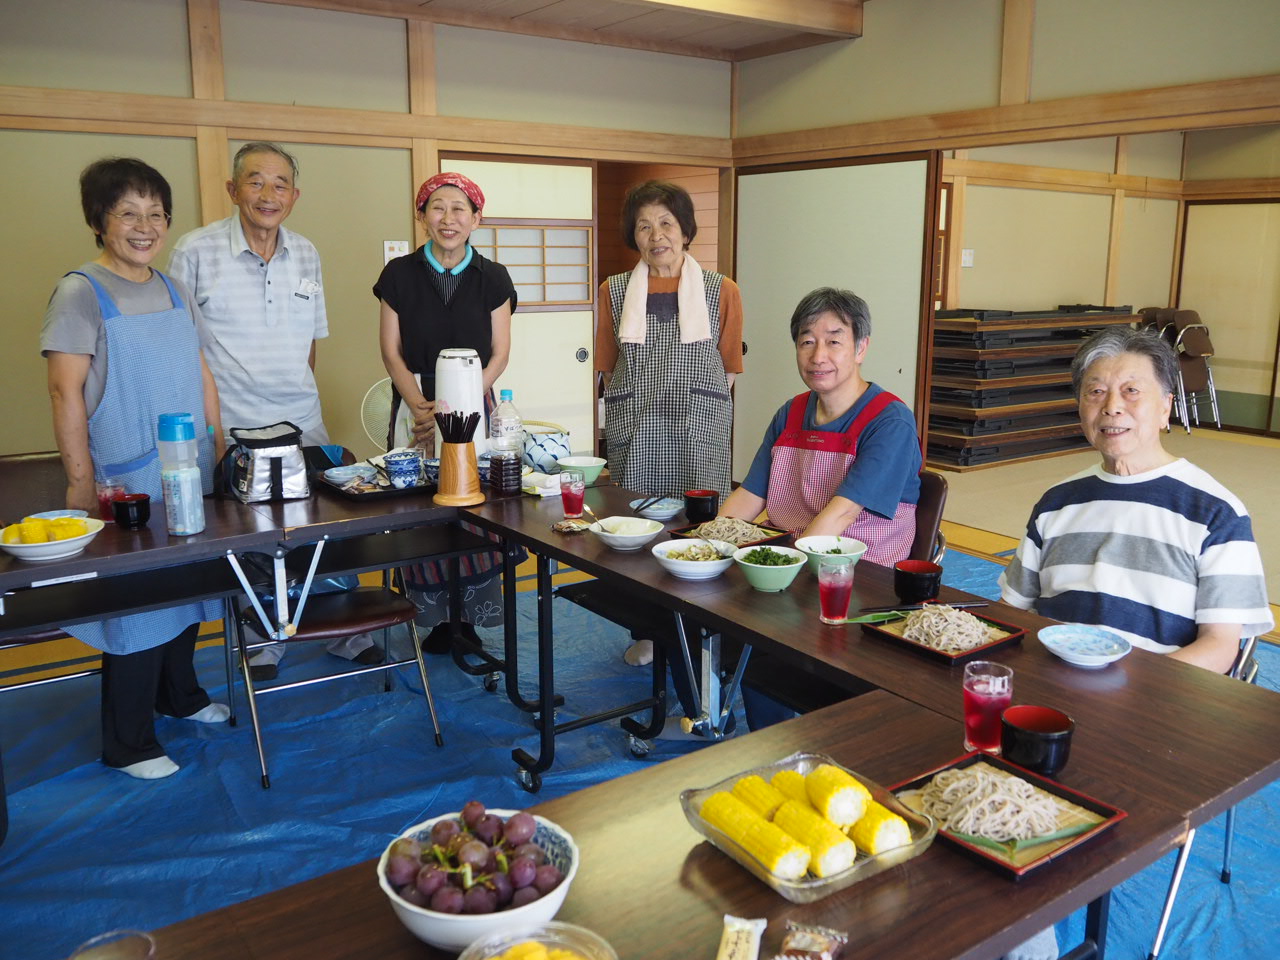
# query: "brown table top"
1200,740
652,887
229,525
328,513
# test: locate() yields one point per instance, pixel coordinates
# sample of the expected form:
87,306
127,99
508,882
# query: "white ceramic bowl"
694,569
344,474
815,548
57,549
663,509
1083,645
769,578
454,931
589,467
626,533
582,942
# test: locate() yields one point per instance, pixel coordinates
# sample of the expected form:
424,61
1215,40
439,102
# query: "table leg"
228,624
1094,945
511,632
530,767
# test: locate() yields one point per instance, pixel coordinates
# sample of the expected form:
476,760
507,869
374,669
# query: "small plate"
811,888
892,631
663,509
365,471
1083,645
58,514
1082,817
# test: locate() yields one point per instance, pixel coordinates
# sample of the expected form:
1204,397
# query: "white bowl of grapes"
464,875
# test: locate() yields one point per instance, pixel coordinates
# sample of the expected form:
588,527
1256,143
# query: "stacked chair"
1189,337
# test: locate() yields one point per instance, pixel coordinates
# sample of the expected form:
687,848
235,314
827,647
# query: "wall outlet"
394,248
966,257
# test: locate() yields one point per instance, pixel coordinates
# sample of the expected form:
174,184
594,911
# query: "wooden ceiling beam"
835,18
1220,103
278,120
400,10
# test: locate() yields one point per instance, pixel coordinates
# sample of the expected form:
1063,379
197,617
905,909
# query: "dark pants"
137,686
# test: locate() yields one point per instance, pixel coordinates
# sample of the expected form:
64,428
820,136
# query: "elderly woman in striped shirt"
1144,543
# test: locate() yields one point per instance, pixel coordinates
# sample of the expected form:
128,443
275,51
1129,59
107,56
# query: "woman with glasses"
121,345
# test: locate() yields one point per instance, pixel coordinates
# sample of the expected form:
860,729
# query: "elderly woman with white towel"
668,357
670,354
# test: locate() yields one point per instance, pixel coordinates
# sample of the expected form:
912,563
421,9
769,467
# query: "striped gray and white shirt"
1150,556
260,318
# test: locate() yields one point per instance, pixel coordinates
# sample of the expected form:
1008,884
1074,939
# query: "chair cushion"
362,610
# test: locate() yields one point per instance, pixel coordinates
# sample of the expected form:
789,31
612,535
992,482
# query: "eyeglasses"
131,219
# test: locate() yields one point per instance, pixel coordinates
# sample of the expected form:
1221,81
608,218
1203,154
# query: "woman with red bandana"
843,458
444,294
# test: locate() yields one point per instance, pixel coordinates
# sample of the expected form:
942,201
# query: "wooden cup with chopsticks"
459,484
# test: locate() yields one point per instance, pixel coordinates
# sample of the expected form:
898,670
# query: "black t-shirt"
429,325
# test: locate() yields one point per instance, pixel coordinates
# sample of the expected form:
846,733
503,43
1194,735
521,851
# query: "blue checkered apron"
153,367
667,411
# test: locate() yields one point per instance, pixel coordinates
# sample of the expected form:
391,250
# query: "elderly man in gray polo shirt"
261,298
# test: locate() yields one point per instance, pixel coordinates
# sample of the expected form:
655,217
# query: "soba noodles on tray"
732,530
945,628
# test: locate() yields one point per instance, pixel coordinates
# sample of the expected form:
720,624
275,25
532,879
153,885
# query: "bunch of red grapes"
474,864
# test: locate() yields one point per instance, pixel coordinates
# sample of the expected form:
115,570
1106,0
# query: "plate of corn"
39,538
806,826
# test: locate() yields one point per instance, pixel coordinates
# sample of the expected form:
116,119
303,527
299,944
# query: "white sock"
213,713
151,769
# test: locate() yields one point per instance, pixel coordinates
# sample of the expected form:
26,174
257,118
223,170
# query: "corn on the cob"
836,795
758,795
790,783
781,854
880,829
830,850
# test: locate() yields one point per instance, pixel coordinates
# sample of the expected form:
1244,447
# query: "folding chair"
1245,668
1195,377
327,616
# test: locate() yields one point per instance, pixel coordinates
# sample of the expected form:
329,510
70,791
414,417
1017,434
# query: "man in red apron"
843,458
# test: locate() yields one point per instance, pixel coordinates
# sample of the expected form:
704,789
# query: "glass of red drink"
572,491
835,588
108,489
988,691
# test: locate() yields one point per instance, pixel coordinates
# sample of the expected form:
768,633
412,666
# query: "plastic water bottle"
180,478
506,446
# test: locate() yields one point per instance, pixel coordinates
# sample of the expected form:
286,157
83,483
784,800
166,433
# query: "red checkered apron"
808,468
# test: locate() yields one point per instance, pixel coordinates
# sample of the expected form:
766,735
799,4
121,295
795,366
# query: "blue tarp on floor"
351,766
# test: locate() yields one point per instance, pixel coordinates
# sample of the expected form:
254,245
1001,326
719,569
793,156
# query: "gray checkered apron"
153,368
668,415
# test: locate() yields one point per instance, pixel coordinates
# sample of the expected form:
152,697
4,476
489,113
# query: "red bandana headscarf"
467,186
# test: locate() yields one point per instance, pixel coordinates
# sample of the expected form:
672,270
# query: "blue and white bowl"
664,509
1083,645
544,445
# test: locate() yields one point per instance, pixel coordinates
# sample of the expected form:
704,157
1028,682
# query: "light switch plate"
966,257
394,248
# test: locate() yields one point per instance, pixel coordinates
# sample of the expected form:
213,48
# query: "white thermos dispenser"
460,388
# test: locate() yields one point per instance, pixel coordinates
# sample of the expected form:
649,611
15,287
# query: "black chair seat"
328,616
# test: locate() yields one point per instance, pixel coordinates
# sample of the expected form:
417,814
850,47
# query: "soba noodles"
731,530
945,628
985,804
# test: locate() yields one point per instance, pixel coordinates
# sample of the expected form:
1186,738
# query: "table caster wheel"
531,781
639,748
490,681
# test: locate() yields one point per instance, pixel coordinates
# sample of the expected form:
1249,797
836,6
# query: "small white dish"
345,474
58,514
663,509
693,569
1083,645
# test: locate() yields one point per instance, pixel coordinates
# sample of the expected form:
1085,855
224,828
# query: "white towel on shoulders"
691,299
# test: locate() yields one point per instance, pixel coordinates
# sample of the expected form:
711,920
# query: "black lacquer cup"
1038,738
131,510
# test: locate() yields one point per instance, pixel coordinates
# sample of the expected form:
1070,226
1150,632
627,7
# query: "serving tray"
1083,818
892,632
811,888
382,493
